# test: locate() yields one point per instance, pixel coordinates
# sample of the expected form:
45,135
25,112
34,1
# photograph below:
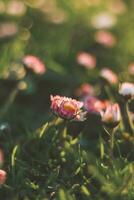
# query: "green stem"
102,150
111,144
80,159
110,132
130,122
125,184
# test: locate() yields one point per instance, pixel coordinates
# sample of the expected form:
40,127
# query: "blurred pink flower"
109,75
105,38
117,7
111,116
16,8
84,90
66,108
2,176
131,68
126,89
35,64
86,60
94,105
8,29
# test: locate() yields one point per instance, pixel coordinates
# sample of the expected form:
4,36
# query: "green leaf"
85,190
42,132
64,195
13,156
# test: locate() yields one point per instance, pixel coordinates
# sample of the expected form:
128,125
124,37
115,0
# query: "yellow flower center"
69,107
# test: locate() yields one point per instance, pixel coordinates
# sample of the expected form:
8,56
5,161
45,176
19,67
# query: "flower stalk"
126,119
111,144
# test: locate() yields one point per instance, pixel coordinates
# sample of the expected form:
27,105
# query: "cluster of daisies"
71,109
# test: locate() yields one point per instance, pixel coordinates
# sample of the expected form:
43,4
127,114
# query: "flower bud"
111,116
